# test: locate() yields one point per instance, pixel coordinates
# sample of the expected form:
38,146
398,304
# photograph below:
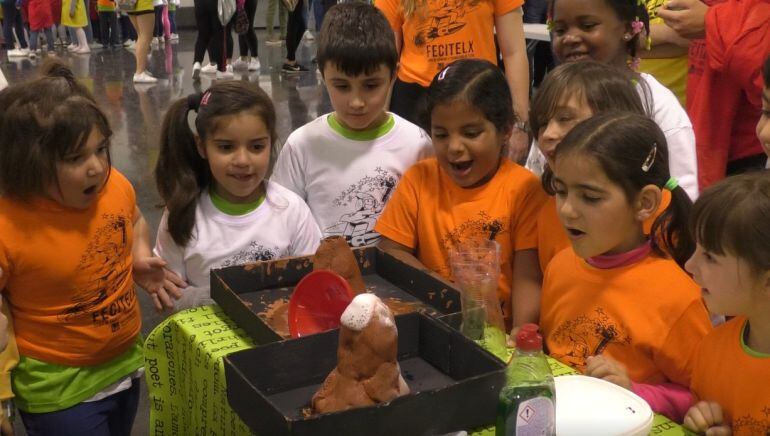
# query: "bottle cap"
528,338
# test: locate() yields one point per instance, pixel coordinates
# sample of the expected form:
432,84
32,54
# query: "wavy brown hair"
42,121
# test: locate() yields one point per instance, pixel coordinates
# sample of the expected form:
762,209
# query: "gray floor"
136,114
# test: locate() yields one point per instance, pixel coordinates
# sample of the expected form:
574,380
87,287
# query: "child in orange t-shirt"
571,93
732,263
614,305
470,190
72,245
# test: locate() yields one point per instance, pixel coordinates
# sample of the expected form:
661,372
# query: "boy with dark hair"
346,164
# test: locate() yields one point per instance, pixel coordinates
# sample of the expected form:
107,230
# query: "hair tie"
205,98
194,101
671,184
637,26
442,74
647,164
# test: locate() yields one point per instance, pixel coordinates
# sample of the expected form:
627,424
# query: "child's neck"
382,125
758,329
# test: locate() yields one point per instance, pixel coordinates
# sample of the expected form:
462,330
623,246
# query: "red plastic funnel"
318,302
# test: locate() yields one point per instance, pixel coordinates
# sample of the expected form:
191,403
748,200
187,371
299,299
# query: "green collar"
746,349
362,135
234,209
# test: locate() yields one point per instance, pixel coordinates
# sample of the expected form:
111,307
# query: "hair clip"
648,43
671,184
637,26
650,158
442,74
635,62
549,25
205,98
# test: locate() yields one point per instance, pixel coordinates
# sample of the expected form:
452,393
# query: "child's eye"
709,257
72,158
588,26
439,135
225,147
102,149
558,30
372,85
258,146
341,87
472,133
591,199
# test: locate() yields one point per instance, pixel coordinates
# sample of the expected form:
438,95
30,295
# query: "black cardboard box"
245,291
454,385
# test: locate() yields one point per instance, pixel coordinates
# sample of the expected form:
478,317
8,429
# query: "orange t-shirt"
430,214
444,31
551,237
727,372
649,316
67,276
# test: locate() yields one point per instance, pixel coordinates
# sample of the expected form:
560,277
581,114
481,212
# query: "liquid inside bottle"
526,405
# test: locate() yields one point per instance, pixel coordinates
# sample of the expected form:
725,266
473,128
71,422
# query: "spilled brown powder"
276,316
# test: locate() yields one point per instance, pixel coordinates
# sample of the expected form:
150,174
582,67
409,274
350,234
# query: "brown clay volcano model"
335,254
367,369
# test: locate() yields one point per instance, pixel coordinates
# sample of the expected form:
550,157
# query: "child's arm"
9,358
669,399
400,252
149,271
527,280
706,417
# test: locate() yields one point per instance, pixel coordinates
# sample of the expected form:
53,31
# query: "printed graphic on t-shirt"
363,202
255,253
484,227
444,18
588,335
752,424
103,263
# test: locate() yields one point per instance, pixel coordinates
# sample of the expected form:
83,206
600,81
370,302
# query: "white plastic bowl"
590,406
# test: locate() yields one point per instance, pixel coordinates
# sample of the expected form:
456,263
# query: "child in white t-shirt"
220,209
346,164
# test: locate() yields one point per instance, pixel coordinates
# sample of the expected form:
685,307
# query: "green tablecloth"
186,379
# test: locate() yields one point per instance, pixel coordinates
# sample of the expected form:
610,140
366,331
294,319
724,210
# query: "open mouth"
576,56
241,177
90,190
575,233
461,167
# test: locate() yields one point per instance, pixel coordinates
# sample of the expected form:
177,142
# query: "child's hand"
706,417
162,285
608,369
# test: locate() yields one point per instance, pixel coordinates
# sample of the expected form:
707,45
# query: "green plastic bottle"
527,403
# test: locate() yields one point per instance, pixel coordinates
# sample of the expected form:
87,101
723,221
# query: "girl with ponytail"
220,208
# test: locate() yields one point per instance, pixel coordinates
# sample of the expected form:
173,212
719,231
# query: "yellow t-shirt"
430,214
443,31
671,72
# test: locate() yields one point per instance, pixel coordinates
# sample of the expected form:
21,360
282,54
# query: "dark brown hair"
42,121
627,11
766,72
181,174
479,83
357,38
732,217
624,144
602,86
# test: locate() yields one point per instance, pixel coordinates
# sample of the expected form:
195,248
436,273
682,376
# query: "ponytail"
181,174
670,235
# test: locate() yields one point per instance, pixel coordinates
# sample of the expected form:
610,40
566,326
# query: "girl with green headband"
617,304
